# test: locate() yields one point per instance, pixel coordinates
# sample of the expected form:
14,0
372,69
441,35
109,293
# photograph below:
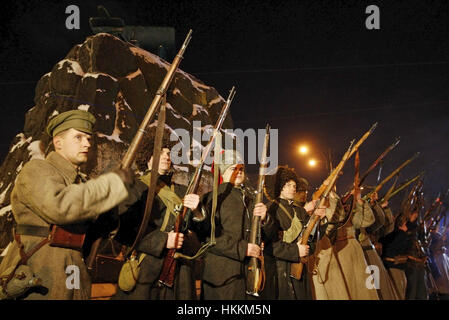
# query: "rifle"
130,154
401,187
409,204
167,275
255,276
296,268
317,194
395,172
379,159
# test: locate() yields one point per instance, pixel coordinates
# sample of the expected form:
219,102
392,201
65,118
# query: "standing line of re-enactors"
55,207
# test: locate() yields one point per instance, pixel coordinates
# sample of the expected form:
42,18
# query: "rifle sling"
154,177
211,242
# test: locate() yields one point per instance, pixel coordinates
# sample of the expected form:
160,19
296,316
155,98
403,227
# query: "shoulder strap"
171,200
285,210
154,177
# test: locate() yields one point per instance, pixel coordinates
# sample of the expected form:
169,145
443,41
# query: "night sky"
308,68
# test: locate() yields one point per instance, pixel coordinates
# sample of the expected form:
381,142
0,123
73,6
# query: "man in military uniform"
225,264
53,195
160,237
339,265
386,289
395,248
291,218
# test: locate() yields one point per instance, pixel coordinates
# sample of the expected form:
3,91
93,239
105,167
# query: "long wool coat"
287,288
386,289
49,192
225,264
340,264
153,244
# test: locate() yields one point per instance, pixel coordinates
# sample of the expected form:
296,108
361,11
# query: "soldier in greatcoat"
52,194
225,264
339,271
290,218
159,236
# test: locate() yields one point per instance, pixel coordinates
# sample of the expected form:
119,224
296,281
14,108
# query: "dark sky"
309,68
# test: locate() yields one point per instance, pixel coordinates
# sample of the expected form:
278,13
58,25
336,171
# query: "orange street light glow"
312,162
303,149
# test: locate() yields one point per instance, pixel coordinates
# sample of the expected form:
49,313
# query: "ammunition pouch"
70,238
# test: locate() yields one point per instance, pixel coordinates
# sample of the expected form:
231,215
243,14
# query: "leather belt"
30,230
397,259
369,247
418,260
345,238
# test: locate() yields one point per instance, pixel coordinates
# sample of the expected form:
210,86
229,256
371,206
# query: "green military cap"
77,119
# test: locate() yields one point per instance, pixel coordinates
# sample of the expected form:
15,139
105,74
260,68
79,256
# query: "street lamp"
312,162
303,149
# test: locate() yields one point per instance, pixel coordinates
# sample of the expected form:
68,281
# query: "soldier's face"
289,190
73,145
164,161
235,174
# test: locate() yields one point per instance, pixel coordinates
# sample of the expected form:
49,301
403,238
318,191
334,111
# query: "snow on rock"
198,109
5,210
35,150
84,107
21,142
175,113
115,136
216,100
74,66
5,251
149,57
2,196
96,74
116,82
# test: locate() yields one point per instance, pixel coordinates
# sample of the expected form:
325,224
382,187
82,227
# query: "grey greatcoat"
50,192
225,263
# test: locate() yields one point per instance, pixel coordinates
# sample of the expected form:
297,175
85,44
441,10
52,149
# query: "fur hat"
275,182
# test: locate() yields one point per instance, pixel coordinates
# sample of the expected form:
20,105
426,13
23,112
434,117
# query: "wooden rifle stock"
130,154
296,268
168,271
255,274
